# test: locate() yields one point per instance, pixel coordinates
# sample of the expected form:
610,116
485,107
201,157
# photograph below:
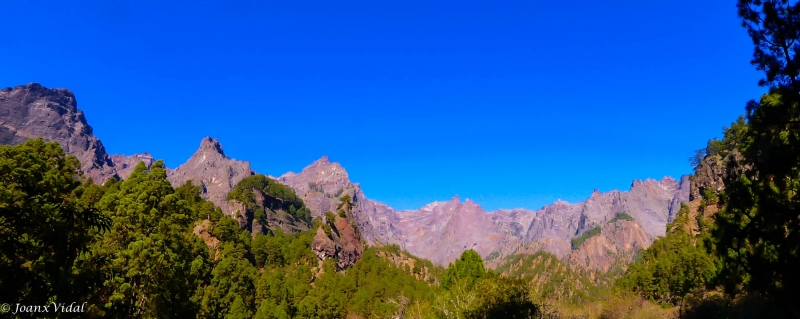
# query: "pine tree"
757,233
47,219
153,263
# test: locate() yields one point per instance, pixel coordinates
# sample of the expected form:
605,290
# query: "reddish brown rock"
616,245
348,239
323,246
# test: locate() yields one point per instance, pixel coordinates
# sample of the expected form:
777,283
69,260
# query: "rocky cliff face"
213,171
712,172
344,242
34,111
322,183
441,231
617,244
125,164
273,219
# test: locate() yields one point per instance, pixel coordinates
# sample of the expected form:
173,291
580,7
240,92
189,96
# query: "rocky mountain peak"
213,171
321,184
561,202
324,166
209,144
33,111
322,161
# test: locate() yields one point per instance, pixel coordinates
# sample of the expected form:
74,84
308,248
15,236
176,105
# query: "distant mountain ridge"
439,231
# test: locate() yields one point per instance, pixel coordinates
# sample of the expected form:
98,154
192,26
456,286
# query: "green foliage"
469,291
276,196
757,232
469,268
149,264
620,216
550,279
710,197
329,218
733,136
201,208
578,241
47,219
672,266
152,263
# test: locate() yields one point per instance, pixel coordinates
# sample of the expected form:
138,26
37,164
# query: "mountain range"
611,226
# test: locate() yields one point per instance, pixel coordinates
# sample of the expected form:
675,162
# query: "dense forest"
140,248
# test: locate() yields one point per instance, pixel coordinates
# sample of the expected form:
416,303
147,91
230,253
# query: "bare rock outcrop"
323,246
126,163
713,170
441,231
617,244
33,111
215,173
272,220
321,184
344,243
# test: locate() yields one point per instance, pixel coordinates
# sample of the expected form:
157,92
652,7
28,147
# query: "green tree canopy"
45,222
672,266
277,196
757,233
468,267
152,263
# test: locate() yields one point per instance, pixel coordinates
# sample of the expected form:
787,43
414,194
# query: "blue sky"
512,104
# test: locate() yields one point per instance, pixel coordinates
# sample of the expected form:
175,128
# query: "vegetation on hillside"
139,248
672,266
751,246
549,279
620,216
129,249
579,240
276,197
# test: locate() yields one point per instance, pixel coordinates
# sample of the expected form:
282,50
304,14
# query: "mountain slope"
125,164
440,231
33,111
216,174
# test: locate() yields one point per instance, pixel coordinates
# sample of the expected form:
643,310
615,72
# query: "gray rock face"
125,164
322,183
215,173
441,231
34,111
714,170
681,196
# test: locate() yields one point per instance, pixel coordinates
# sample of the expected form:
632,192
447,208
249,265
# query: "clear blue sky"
511,104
